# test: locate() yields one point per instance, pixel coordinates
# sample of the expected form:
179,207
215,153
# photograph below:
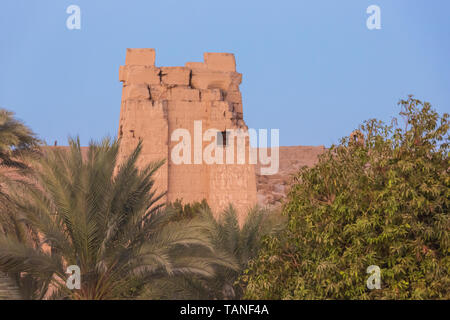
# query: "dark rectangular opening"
222,139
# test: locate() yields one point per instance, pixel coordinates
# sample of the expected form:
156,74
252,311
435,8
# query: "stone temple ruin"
158,100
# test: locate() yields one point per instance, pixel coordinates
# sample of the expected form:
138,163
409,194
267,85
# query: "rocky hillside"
272,188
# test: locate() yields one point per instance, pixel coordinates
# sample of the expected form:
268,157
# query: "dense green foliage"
87,210
379,199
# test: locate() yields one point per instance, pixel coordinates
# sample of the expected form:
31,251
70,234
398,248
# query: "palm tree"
230,240
16,141
105,218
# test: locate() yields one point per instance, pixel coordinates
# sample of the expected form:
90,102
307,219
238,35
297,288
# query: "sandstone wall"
158,100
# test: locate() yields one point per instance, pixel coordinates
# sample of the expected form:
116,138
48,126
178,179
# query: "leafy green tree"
381,198
88,210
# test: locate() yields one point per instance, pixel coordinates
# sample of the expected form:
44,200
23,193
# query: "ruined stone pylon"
156,101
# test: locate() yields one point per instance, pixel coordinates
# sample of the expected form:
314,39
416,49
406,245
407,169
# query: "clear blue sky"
311,68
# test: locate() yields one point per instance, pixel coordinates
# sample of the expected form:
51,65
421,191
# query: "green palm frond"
89,210
16,257
233,247
16,140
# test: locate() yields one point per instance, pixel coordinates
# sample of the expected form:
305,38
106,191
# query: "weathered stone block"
211,95
122,73
175,75
221,105
220,61
206,79
142,57
184,94
233,97
158,92
237,107
143,74
136,92
195,65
